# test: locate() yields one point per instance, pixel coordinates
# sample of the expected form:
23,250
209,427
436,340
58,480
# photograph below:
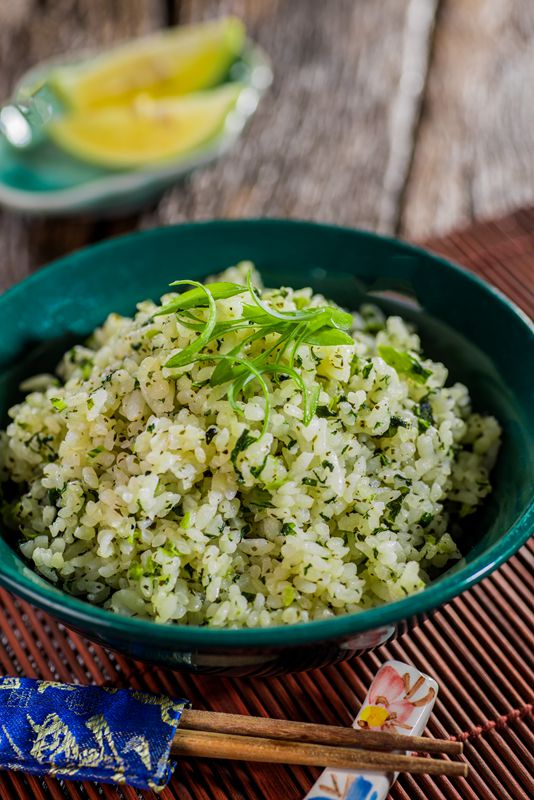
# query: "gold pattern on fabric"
87,732
10,683
165,703
64,687
53,739
17,750
139,744
104,737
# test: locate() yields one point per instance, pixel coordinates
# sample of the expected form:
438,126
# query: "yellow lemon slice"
148,131
173,62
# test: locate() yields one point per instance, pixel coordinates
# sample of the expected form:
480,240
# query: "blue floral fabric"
87,732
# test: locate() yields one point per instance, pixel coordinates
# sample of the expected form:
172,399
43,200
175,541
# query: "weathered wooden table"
405,116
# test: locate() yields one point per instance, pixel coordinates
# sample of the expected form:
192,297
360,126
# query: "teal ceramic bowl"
487,343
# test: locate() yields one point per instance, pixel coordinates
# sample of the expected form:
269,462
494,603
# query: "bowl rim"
81,613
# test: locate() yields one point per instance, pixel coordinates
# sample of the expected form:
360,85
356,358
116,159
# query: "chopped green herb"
394,424
404,362
309,481
244,441
288,529
256,471
328,465
185,522
424,414
95,451
288,595
367,369
37,442
135,571
210,433
58,403
151,568
426,519
324,411
54,495
394,506
86,367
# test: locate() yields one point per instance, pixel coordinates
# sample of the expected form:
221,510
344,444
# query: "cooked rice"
131,493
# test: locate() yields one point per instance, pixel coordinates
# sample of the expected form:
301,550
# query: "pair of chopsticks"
243,738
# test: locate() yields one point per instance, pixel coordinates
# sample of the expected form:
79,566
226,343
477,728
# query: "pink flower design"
391,701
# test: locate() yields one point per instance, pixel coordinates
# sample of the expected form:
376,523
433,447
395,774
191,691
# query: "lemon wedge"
173,62
148,131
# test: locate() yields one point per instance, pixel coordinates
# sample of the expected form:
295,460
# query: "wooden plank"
475,150
30,32
321,143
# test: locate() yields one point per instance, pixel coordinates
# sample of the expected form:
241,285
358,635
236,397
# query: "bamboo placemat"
480,649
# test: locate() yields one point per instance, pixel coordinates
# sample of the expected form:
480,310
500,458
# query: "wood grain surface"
474,154
320,145
404,116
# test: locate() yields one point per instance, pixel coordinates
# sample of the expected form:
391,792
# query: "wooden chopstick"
277,751
243,725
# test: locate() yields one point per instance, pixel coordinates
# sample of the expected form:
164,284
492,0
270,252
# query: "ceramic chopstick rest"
400,700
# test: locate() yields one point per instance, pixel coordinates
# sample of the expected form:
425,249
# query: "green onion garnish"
323,326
